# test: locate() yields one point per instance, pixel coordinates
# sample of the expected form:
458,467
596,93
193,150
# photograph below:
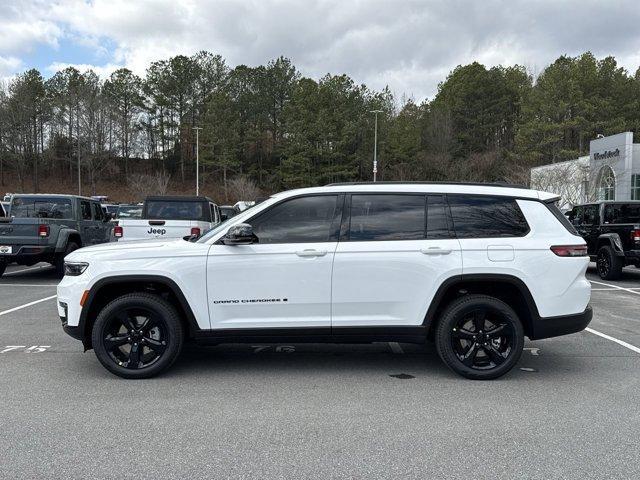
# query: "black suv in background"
612,232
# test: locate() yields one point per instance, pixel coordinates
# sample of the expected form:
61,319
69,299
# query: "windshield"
41,207
133,211
239,218
175,210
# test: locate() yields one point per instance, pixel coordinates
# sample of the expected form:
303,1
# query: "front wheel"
609,264
138,335
479,337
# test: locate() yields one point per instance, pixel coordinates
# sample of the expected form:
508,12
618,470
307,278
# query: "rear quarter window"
616,213
485,216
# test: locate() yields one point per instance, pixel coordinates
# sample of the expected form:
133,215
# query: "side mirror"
223,217
241,234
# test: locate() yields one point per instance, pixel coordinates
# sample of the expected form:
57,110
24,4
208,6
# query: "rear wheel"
137,335
609,265
59,260
479,337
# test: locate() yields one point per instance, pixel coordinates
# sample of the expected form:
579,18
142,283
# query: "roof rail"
477,184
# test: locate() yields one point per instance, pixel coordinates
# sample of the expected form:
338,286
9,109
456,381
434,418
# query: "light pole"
375,144
197,129
79,171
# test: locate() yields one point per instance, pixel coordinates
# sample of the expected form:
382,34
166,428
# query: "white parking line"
613,339
27,270
27,305
616,287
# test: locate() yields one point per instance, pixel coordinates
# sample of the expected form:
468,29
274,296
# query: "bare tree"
243,188
143,185
572,180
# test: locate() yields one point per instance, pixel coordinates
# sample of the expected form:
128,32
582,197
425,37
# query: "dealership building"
611,171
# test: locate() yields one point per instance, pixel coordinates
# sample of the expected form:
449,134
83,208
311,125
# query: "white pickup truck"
170,217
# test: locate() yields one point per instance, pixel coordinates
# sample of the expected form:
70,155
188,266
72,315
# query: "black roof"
52,195
605,202
178,198
481,184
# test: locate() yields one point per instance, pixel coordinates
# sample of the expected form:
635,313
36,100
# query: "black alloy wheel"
608,264
134,338
482,339
603,265
479,337
137,335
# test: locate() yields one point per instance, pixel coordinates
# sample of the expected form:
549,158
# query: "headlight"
73,269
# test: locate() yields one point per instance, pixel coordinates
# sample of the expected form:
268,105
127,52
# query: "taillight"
635,235
195,231
570,250
43,230
118,231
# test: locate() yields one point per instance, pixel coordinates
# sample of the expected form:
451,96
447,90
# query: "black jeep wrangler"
612,232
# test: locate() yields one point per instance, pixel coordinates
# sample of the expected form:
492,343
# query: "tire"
457,341
162,335
3,267
59,260
609,265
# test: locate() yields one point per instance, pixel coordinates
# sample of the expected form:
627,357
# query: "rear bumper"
547,327
632,257
26,252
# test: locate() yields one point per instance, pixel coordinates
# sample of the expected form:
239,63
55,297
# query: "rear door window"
486,216
42,207
590,215
387,217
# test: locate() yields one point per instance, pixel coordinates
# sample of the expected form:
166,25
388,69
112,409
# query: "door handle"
435,251
311,253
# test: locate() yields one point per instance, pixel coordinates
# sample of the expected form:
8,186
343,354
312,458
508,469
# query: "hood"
140,249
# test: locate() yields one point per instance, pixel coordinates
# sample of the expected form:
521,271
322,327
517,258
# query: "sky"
410,46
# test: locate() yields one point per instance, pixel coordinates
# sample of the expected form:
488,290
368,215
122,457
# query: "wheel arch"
508,288
65,236
109,288
610,240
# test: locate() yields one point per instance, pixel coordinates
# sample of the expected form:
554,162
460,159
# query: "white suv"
474,268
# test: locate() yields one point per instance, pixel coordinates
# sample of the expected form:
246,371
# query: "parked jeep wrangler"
612,232
46,228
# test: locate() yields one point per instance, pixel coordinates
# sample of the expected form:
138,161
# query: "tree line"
272,127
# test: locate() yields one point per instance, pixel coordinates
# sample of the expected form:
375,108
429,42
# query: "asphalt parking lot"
570,409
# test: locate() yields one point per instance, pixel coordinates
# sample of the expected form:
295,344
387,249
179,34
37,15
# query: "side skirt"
414,334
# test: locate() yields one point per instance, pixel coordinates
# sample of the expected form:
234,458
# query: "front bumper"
547,327
74,332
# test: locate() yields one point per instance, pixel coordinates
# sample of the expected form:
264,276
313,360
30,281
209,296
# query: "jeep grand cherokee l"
475,268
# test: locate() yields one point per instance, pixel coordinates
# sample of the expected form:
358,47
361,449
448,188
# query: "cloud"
102,71
408,45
